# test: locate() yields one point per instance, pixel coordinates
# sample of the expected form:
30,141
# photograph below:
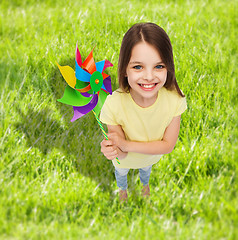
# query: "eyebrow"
136,62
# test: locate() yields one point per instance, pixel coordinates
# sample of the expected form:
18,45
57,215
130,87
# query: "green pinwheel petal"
80,84
74,98
101,100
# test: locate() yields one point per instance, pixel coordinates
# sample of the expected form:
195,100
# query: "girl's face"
146,74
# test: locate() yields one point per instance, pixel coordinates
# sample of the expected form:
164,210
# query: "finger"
110,153
108,150
111,156
111,135
106,143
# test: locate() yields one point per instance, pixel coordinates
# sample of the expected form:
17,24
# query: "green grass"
55,183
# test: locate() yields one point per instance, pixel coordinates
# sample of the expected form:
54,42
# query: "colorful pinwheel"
87,87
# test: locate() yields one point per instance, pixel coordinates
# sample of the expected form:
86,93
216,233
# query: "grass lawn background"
55,183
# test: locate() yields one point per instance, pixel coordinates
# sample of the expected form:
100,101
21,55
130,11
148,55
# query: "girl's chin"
144,94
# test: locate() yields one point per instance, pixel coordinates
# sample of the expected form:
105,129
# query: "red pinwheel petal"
89,63
104,75
107,64
86,89
78,56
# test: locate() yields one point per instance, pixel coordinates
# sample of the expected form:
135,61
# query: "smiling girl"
143,115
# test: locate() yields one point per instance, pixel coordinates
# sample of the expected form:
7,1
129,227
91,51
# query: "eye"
159,66
138,67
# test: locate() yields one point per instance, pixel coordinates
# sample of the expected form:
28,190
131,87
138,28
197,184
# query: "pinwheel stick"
103,131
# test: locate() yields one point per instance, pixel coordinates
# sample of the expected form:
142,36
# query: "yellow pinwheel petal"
68,74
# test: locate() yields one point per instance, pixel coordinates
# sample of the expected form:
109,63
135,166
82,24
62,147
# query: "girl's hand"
118,140
109,150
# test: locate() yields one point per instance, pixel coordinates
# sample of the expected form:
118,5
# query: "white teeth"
147,85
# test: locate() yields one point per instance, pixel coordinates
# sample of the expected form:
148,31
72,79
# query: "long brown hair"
155,36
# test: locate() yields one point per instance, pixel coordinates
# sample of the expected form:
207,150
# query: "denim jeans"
121,176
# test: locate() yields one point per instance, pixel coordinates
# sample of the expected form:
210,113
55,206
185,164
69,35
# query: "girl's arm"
166,145
109,150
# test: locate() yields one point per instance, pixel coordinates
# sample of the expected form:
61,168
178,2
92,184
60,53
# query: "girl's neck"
143,102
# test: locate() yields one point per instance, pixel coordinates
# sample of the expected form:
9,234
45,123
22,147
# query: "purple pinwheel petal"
77,115
85,94
80,111
78,56
107,84
107,64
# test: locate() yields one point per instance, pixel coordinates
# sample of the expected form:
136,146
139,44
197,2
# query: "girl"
143,115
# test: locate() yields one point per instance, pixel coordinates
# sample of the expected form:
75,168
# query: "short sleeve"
108,112
181,106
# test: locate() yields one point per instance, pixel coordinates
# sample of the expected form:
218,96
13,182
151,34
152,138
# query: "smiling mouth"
148,86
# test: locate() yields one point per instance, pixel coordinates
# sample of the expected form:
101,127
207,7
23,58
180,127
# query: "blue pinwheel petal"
100,66
80,74
80,111
103,87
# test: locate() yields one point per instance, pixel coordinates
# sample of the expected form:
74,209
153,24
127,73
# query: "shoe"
145,191
123,196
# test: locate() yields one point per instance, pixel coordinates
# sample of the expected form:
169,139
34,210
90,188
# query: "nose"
148,75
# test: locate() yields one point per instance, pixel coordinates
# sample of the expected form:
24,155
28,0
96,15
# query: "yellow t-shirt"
141,124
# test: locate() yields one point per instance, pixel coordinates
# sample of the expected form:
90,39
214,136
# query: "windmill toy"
88,87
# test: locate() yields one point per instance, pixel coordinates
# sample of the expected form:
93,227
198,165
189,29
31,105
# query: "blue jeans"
121,176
